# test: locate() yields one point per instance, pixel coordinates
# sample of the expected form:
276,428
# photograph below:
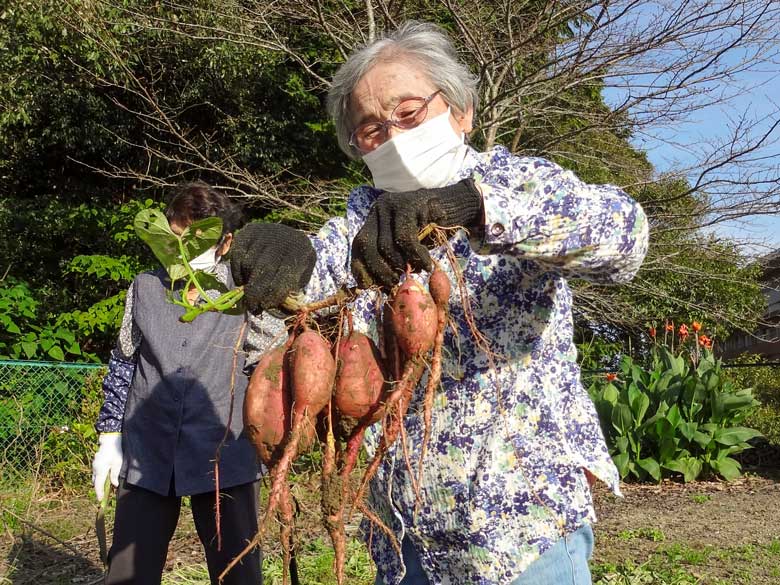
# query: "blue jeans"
566,563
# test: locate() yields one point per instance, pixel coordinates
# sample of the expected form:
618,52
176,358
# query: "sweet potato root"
414,318
267,402
360,377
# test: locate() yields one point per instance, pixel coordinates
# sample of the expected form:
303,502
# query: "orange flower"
611,377
652,332
670,327
683,331
696,326
704,340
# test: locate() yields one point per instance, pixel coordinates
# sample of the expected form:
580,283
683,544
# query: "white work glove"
107,462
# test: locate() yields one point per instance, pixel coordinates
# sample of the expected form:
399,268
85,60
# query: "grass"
647,573
700,498
677,563
315,562
653,534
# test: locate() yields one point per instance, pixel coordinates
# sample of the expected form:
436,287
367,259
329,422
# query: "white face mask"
207,262
428,156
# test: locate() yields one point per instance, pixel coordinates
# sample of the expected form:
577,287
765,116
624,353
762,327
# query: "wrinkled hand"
388,241
107,462
270,261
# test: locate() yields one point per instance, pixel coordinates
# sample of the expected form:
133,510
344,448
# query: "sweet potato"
414,318
267,402
360,377
439,287
311,370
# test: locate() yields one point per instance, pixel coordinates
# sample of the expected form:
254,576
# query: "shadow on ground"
33,560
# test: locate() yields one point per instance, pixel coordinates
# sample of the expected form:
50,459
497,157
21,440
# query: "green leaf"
210,282
56,353
30,349
201,235
673,416
152,227
734,402
688,429
662,383
735,435
640,406
689,467
610,394
651,466
667,450
727,467
621,462
702,439
622,419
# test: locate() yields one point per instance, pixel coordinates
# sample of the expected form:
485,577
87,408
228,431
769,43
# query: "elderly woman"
505,495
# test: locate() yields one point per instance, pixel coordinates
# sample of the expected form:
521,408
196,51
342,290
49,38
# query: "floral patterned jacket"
503,478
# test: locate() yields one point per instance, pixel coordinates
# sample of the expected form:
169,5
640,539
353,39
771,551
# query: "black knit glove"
271,261
388,241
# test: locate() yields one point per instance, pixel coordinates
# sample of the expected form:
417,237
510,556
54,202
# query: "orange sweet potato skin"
360,378
414,318
311,369
267,402
440,287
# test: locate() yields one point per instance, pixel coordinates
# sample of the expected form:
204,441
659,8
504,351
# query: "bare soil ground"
722,532
718,532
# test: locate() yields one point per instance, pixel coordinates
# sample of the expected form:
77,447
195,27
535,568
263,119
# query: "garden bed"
667,534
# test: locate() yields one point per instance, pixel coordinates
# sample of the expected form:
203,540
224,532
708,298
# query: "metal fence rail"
37,399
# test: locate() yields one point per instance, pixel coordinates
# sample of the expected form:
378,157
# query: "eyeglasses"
408,114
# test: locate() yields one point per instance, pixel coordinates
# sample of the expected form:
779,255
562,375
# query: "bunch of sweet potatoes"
310,386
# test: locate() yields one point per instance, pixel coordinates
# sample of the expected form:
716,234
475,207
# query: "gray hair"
423,44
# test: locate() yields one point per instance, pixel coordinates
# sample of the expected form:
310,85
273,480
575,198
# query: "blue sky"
756,96
760,102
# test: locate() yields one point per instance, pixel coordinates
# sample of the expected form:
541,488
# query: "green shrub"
68,450
765,382
679,416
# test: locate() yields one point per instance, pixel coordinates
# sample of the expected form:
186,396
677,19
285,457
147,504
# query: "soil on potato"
647,519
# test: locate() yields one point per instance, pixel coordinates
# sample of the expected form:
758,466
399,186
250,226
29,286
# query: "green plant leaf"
702,439
201,235
610,394
667,450
727,467
622,419
621,462
152,227
651,466
731,403
29,349
673,416
56,353
688,429
689,467
210,282
734,435
639,407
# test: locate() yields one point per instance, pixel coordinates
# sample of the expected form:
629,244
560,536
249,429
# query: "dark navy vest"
178,406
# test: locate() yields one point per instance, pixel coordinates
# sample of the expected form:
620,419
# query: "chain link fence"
39,400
